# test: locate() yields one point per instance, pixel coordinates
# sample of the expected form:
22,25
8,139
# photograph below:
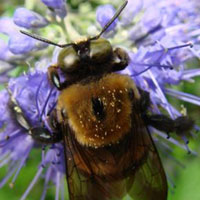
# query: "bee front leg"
120,59
54,77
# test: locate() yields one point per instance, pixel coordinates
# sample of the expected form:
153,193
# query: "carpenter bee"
102,119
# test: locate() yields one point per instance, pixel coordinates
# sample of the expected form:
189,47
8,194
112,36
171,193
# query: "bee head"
90,57
87,55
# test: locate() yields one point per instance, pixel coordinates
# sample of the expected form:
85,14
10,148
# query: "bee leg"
168,135
44,136
160,122
54,77
120,59
144,101
40,134
181,125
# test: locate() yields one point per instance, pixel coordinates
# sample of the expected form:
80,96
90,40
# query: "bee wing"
88,185
140,173
149,181
75,179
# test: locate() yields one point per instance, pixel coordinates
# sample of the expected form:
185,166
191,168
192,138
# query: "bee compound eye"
68,59
100,50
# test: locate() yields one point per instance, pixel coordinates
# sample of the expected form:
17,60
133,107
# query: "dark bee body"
102,118
108,150
106,156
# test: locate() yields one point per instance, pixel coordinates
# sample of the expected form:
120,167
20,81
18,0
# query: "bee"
102,119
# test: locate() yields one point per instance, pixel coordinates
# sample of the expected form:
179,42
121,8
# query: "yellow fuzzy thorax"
113,91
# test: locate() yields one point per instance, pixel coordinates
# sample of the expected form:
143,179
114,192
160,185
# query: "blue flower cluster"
160,37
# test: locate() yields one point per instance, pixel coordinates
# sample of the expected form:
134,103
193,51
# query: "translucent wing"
131,167
150,181
82,165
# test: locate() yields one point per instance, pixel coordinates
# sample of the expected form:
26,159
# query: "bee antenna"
45,40
111,21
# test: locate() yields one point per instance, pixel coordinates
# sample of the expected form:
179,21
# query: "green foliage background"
187,179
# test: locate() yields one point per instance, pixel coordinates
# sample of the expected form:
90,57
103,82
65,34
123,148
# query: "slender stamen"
47,179
62,190
51,109
186,142
149,66
167,155
44,107
190,73
171,182
4,156
180,46
21,164
183,96
7,177
5,161
10,138
144,36
158,64
37,95
38,174
136,74
43,153
161,94
57,185
173,141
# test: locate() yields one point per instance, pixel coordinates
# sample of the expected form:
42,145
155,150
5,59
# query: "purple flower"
157,35
56,4
7,55
7,26
58,7
28,19
31,93
104,14
131,10
21,44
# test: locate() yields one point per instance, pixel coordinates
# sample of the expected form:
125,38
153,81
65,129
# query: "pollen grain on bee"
112,104
118,110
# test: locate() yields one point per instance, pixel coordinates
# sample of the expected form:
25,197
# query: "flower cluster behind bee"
160,37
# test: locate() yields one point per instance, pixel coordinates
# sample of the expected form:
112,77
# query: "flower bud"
28,19
21,44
